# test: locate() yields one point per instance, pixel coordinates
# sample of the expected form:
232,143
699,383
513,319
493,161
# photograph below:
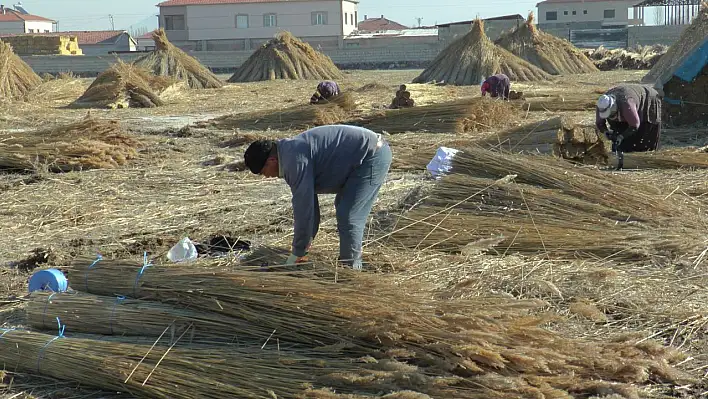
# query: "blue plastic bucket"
48,280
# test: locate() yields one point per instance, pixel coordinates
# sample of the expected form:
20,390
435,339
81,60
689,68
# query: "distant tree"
138,31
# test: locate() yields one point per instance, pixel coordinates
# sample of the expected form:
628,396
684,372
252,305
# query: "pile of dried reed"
88,144
550,53
559,104
537,205
286,57
169,61
460,116
537,137
582,143
122,86
667,159
16,77
472,58
643,57
466,348
299,117
344,100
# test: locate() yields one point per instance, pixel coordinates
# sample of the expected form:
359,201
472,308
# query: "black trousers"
645,139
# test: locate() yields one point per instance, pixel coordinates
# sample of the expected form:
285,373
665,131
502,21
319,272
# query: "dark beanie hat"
257,154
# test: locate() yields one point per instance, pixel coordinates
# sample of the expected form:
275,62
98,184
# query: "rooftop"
379,24
587,1
175,3
10,15
394,33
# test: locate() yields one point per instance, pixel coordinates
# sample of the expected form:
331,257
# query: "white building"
14,21
586,14
222,25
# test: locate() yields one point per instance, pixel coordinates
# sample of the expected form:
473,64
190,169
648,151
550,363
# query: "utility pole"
419,19
110,17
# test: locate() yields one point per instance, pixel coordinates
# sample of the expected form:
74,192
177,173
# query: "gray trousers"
355,200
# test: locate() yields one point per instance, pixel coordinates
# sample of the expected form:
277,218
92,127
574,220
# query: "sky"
134,14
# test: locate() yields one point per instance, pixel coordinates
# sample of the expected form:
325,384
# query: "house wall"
218,22
350,10
595,13
12,27
39,26
493,29
649,35
175,36
393,41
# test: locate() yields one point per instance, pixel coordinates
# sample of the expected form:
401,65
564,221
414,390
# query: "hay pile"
692,97
550,53
299,117
536,137
123,86
460,116
169,61
88,144
286,57
375,338
641,57
16,77
541,205
472,58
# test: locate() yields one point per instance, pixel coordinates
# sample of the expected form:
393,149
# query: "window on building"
46,31
269,20
346,18
174,22
319,18
356,17
551,15
575,12
241,21
30,30
352,17
565,12
609,13
585,12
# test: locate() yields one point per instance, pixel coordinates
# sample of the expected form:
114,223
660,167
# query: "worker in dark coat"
325,91
633,112
497,86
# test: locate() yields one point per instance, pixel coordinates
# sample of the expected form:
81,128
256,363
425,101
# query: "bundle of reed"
299,117
667,159
122,86
466,344
161,372
552,54
537,137
286,57
88,144
472,58
581,142
531,220
460,116
558,104
345,100
93,314
16,77
169,61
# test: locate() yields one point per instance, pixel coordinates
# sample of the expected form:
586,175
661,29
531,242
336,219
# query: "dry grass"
88,144
642,59
171,62
286,57
550,53
16,77
123,86
472,58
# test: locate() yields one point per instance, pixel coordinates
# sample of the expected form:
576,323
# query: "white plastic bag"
183,251
442,161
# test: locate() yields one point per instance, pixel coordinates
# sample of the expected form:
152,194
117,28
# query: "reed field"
534,270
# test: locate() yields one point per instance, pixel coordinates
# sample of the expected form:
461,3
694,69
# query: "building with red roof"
16,22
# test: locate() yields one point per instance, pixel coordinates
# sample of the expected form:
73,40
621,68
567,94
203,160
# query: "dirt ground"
184,184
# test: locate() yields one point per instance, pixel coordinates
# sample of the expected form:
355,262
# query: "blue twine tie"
5,331
91,266
46,305
61,328
146,264
118,300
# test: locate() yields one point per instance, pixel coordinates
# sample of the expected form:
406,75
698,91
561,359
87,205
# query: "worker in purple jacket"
349,161
325,91
497,86
633,112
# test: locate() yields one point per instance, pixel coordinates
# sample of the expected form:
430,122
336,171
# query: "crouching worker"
351,162
325,91
634,114
403,99
497,86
